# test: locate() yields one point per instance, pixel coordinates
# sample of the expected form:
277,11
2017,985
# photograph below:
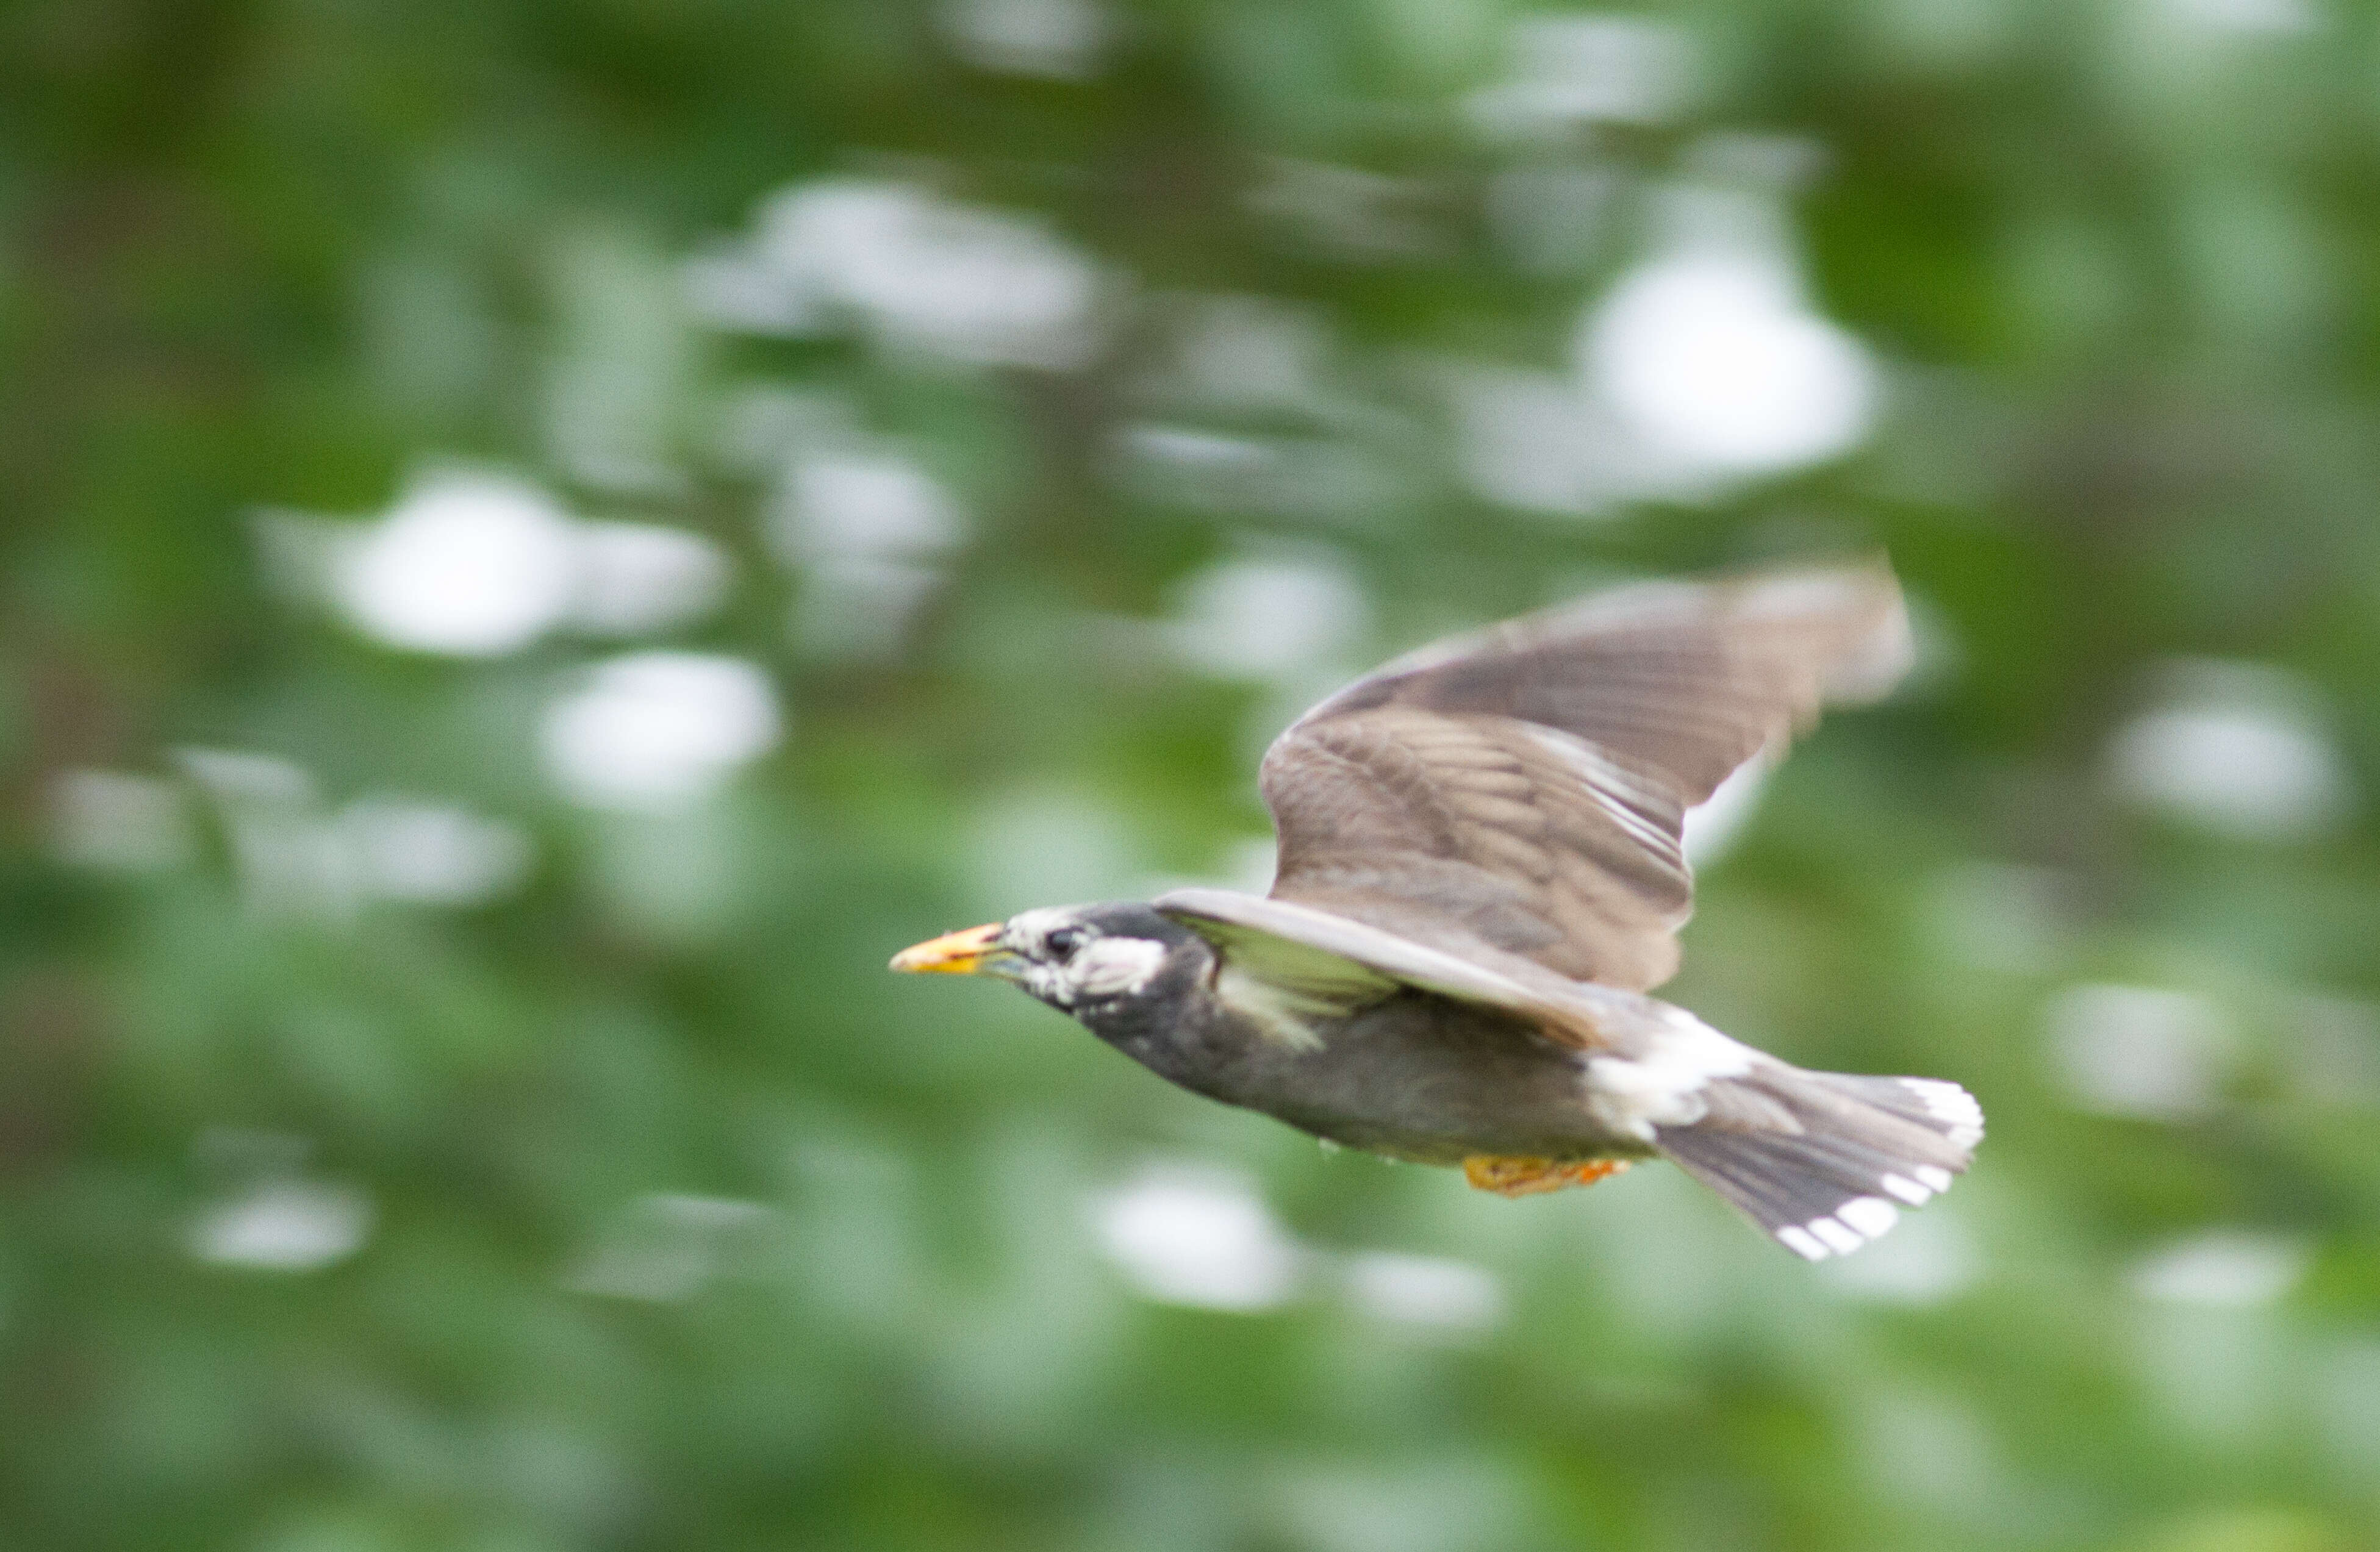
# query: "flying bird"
1480,876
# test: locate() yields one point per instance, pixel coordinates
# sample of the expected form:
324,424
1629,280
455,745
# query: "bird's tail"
1825,1161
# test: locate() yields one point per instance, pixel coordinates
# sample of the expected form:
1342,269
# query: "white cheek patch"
1048,983
1115,966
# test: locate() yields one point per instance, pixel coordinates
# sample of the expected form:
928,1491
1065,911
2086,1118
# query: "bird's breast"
1415,1076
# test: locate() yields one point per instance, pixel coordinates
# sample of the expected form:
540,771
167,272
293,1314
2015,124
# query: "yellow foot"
1527,1177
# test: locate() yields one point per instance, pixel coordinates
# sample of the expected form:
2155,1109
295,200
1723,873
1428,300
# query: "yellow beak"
953,953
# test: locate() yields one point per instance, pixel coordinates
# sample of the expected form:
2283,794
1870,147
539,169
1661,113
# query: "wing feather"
1521,791
1333,962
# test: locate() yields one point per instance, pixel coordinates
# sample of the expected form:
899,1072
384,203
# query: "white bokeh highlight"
1540,441
2241,750
655,731
2223,1268
1564,72
1703,366
1057,40
1715,357
2245,18
289,859
2142,1051
872,503
2009,918
1203,1237
667,1247
466,564
477,564
922,276
637,578
294,857
117,821
428,853
1428,1292
1260,617
282,1226
869,530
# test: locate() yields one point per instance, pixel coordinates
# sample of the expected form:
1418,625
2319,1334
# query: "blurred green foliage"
610,1195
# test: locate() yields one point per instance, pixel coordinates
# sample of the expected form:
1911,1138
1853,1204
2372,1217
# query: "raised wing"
1521,791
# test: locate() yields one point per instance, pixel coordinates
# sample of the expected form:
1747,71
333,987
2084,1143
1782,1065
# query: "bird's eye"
1062,943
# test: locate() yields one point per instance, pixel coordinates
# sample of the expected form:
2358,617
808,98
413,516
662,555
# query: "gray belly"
1421,1078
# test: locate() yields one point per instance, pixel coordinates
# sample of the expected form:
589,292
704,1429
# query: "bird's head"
1083,960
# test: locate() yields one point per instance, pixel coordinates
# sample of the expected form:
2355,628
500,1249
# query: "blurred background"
545,540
